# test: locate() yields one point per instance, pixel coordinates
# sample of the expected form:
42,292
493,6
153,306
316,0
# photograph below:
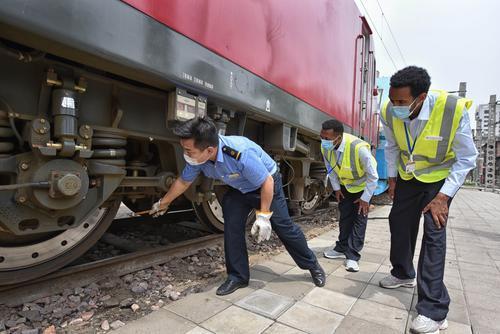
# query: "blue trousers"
236,207
352,226
410,198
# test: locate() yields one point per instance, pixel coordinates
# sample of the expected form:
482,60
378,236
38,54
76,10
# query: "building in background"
483,117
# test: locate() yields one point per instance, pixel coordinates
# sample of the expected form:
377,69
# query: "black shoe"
230,286
318,275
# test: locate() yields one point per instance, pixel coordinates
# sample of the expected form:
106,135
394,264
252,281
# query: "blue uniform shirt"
246,174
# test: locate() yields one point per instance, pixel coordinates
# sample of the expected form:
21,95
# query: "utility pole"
491,145
462,89
478,171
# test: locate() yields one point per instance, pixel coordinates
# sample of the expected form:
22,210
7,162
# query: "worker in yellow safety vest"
429,152
352,171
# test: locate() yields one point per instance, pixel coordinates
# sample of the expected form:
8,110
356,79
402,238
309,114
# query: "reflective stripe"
428,170
357,182
442,166
388,116
416,157
445,130
352,158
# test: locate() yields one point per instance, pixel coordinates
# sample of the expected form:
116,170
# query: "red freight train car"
90,90
319,51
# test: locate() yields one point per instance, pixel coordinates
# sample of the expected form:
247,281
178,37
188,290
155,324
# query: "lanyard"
410,147
336,163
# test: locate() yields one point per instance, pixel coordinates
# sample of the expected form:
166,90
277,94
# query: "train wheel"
22,259
313,200
210,214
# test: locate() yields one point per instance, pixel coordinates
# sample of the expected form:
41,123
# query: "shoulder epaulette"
231,152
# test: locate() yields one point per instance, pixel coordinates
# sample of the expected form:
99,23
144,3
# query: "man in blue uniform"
255,183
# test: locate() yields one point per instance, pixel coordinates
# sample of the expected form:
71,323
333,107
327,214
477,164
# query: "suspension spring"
109,148
6,138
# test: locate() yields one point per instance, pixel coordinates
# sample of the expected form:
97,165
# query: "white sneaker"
333,254
391,282
351,265
422,324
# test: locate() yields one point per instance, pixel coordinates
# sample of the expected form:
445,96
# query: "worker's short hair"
201,129
414,77
333,124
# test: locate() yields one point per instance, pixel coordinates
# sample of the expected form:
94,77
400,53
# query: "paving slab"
383,315
156,323
355,325
198,307
330,300
278,328
311,319
199,330
373,257
377,277
273,267
266,303
365,273
345,286
289,288
453,282
258,279
319,244
491,289
485,319
297,274
458,313
233,297
487,302
235,320
399,298
284,258
458,328
329,265
457,296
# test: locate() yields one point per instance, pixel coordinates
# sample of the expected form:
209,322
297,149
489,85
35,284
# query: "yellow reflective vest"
432,152
349,170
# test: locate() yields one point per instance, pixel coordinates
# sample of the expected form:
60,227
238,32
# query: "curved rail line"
84,274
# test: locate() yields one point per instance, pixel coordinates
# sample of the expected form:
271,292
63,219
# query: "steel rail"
85,274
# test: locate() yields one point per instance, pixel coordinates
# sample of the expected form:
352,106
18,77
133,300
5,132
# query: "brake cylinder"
65,113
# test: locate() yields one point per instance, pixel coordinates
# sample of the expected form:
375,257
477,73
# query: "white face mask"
192,161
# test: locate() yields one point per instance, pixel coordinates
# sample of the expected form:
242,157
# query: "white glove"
262,225
157,210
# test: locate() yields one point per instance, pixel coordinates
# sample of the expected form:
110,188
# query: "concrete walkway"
282,299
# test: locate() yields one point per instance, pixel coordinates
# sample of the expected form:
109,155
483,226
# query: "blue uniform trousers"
236,207
352,226
410,199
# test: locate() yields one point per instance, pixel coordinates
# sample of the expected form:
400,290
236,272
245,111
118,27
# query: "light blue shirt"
367,165
246,174
463,146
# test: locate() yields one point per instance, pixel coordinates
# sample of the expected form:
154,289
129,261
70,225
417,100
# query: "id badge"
410,166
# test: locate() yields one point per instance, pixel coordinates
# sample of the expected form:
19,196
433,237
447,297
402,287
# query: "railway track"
84,274
87,273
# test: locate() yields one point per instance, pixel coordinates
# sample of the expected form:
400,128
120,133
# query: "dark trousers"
410,198
236,207
352,226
